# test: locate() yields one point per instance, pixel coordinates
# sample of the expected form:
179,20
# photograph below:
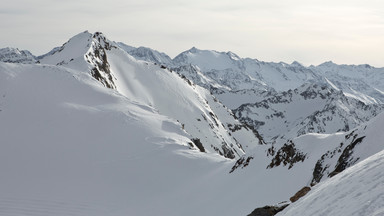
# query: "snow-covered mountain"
315,159
208,122
363,82
96,127
15,55
147,54
71,145
323,155
229,71
330,154
311,108
249,87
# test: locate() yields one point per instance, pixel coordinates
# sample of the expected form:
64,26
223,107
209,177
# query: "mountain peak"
102,40
96,34
328,64
193,50
86,52
233,56
14,55
296,63
9,49
81,35
146,54
74,48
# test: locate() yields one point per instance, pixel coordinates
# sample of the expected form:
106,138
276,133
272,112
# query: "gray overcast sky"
309,31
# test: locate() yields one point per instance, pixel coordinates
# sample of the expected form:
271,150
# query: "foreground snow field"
359,190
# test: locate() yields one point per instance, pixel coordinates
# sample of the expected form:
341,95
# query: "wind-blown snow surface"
70,146
357,191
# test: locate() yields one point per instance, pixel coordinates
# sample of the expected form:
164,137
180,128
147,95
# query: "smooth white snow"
358,191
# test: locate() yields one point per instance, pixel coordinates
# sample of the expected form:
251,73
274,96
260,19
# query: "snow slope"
160,88
357,191
71,146
156,86
71,53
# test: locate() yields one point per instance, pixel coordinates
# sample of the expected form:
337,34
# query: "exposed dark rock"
235,127
241,162
256,133
318,172
214,117
101,67
198,144
350,134
185,79
268,210
287,155
302,192
321,168
346,159
312,92
227,152
98,58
